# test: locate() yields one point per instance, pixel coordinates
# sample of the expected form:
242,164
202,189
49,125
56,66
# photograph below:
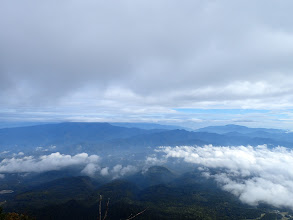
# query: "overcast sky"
184,62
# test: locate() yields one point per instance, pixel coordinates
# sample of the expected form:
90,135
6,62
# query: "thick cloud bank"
254,174
54,161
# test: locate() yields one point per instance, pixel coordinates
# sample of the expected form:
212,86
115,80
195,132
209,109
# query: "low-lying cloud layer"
54,161
90,165
115,172
254,174
118,171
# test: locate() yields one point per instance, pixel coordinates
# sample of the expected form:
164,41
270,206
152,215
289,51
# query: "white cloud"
4,152
91,169
89,164
254,174
105,171
153,160
129,169
54,161
117,168
120,171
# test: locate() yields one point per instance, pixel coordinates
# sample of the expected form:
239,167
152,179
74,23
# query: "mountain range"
105,137
113,164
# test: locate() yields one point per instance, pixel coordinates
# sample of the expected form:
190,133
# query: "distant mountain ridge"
182,137
65,133
238,128
76,137
148,126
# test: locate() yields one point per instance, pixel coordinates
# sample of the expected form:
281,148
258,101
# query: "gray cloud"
140,57
254,174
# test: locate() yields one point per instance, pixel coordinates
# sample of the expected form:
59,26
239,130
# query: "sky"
190,63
